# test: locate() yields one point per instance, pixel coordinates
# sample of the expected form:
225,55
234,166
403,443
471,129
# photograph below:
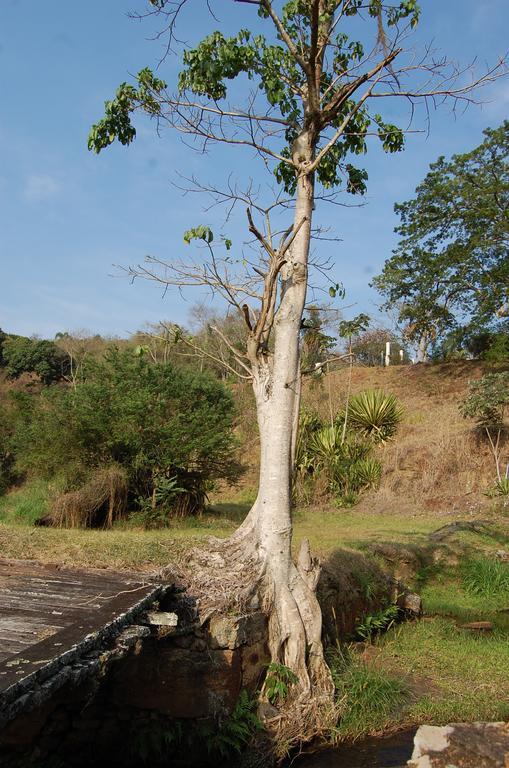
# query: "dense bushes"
6,454
168,430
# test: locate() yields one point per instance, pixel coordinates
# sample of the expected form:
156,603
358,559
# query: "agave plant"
367,472
345,463
375,414
325,445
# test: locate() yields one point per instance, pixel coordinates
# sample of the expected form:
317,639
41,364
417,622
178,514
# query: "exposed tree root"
238,575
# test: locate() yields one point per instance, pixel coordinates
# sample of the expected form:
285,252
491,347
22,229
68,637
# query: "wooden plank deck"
45,611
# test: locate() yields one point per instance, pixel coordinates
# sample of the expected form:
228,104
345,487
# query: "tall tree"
316,72
451,264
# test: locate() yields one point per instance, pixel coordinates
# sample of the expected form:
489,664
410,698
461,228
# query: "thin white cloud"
41,187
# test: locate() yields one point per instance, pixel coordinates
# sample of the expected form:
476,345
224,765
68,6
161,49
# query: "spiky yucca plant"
375,414
368,472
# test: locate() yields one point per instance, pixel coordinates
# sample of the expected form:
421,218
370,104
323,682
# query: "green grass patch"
448,598
458,675
370,698
485,577
25,505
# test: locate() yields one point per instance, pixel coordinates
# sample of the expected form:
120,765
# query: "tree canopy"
20,354
451,264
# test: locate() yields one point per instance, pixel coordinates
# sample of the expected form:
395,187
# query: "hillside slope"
437,462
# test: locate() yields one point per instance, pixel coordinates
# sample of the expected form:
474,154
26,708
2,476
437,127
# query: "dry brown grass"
99,503
436,464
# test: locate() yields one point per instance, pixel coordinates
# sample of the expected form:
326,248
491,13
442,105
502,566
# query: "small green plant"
233,733
367,584
218,739
367,472
375,414
278,681
373,624
501,487
485,578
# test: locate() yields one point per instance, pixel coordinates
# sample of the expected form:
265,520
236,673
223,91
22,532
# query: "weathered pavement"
56,622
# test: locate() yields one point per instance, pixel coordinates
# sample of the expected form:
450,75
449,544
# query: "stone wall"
166,671
169,674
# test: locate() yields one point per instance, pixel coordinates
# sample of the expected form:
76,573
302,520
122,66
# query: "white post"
387,353
401,355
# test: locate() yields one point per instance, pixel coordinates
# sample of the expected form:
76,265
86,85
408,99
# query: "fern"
376,623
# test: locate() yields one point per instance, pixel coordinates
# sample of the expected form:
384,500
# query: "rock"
255,659
161,619
502,554
461,745
231,632
266,711
478,626
411,603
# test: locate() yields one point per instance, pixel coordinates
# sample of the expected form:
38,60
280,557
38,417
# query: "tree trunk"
259,552
288,590
422,348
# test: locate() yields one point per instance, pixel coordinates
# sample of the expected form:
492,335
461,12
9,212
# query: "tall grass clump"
368,698
485,578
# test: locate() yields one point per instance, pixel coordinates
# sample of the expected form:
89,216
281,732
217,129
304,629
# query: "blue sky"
67,216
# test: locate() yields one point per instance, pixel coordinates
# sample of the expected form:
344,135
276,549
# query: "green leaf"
201,232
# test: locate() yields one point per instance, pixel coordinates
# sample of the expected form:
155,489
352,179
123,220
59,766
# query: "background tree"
451,263
3,337
309,114
23,355
368,346
316,343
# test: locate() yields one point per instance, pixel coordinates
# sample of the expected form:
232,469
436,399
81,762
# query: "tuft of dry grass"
100,502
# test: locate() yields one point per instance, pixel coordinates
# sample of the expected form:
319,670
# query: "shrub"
375,414
487,400
498,351
169,431
487,403
7,473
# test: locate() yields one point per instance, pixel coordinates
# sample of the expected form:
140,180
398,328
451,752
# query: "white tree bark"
422,348
288,590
